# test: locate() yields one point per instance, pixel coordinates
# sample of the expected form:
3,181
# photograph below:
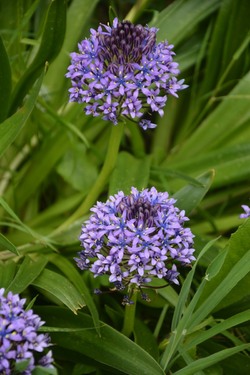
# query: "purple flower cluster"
120,70
19,340
247,212
136,237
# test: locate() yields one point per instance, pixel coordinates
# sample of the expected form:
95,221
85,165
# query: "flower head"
19,339
247,212
134,238
120,69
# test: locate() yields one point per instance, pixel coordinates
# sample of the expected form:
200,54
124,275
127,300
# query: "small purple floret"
134,238
120,70
247,212
19,339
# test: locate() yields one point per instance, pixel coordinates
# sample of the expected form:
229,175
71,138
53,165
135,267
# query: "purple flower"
136,237
19,339
120,70
247,212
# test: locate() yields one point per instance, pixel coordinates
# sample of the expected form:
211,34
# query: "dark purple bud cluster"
134,238
120,70
19,337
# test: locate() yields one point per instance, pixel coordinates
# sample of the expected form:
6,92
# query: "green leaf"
70,271
51,43
145,339
190,196
26,229
177,20
27,273
46,157
217,329
6,244
231,27
5,82
59,287
129,171
12,126
22,365
238,247
222,284
78,15
231,163
221,123
201,364
111,348
77,169
182,314
7,273
44,371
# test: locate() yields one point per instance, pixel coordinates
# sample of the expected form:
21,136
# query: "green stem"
129,316
108,166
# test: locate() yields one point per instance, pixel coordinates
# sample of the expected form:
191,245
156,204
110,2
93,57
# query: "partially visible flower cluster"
120,70
247,212
136,237
19,340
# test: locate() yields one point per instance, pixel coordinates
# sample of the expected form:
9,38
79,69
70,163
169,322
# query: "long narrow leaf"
218,328
238,272
201,364
12,126
178,19
5,82
51,43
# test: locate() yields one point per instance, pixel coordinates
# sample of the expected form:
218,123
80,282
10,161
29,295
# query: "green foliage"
56,162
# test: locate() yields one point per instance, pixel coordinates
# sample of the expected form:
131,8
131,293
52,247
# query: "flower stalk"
107,168
129,314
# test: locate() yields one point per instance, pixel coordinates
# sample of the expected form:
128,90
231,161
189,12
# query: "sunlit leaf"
59,287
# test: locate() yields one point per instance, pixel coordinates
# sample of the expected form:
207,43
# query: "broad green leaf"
21,366
59,287
27,273
190,196
8,245
5,82
175,174
203,363
39,370
238,247
129,171
51,43
145,339
73,276
76,168
111,348
7,273
11,127
167,292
